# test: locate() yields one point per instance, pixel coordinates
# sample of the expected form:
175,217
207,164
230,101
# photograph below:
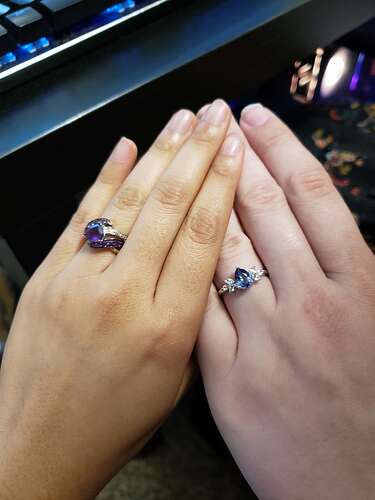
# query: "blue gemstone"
243,279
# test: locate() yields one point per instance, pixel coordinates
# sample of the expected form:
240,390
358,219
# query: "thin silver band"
231,285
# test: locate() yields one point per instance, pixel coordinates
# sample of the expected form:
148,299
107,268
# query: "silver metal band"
243,279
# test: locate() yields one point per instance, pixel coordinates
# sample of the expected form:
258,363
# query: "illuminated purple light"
357,72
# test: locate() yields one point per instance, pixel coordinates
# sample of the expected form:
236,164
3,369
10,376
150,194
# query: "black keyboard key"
26,25
6,42
63,13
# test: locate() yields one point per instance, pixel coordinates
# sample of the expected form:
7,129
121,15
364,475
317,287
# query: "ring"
243,279
99,233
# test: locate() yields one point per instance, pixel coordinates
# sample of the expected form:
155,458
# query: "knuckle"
274,140
264,195
205,135
312,183
168,342
203,226
108,309
320,310
223,165
166,142
171,192
234,245
129,197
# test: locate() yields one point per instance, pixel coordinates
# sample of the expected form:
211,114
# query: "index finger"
320,210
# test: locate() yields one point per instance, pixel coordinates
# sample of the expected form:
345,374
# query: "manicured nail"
181,122
255,115
217,113
232,145
202,111
122,150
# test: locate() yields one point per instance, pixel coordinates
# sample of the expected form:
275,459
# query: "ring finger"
126,204
238,252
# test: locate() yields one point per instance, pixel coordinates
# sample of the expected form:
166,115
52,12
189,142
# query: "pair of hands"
100,348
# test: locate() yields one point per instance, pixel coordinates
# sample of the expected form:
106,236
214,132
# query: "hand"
289,365
100,346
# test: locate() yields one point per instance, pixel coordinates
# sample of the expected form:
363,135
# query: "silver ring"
100,233
243,280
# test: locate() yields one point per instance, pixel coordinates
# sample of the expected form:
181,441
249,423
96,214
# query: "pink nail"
202,111
255,115
232,145
121,152
217,113
181,122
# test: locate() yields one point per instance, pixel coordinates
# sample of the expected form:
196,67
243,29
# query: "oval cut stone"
94,232
243,279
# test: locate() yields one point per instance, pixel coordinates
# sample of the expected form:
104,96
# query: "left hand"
289,365
100,345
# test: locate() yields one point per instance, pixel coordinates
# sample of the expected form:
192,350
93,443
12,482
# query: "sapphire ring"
243,279
100,233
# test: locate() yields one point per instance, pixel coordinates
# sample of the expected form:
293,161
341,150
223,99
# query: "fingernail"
217,113
232,145
181,122
203,110
255,115
121,151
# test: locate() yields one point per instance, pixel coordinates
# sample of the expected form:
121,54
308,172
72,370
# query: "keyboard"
36,35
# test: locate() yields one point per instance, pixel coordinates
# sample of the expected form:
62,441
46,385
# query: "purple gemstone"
94,232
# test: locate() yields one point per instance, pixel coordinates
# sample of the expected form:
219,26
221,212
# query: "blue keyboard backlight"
42,43
119,8
8,58
26,51
30,48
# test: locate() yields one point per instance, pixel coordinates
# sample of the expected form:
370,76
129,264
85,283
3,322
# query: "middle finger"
126,204
165,210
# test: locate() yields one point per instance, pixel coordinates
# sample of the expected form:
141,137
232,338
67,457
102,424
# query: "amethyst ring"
243,279
100,233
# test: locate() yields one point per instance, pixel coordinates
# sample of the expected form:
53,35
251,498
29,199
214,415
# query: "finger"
165,210
322,213
238,251
128,201
256,303
190,266
113,173
202,111
272,228
217,340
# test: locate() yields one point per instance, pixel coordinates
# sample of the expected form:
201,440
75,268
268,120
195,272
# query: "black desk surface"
91,81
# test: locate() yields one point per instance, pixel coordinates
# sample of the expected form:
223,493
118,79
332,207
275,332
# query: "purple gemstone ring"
100,233
243,279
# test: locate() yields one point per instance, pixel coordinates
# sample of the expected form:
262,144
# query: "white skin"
289,365
97,357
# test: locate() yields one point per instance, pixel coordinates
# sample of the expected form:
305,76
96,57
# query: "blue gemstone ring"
100,233
243,279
